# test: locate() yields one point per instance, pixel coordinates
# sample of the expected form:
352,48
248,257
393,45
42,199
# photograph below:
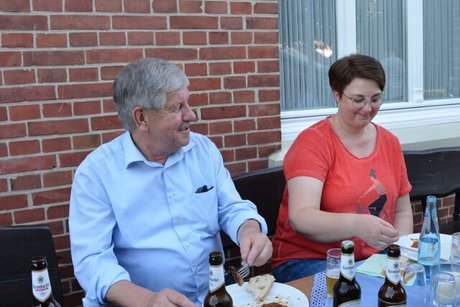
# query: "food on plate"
237,277
274,304
414,243
260,286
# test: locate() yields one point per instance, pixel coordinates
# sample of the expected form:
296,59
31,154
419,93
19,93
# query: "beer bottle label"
216,277
354,303
347,266
41,285
393,270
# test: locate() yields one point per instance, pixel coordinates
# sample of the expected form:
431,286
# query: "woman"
346,178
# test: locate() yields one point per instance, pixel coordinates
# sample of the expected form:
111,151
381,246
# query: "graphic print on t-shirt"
373,200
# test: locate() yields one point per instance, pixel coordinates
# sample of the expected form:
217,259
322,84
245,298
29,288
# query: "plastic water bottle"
429,245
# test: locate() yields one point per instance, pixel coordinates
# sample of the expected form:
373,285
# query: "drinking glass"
414,277
455,252
443,290
332,269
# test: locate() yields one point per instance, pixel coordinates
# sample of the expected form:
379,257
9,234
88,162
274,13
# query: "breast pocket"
206,213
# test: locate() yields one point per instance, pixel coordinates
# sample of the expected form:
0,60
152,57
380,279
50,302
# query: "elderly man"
147,208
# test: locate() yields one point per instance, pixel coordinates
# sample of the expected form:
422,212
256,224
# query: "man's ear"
139,116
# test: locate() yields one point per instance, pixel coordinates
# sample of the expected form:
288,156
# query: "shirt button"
170,195
187,244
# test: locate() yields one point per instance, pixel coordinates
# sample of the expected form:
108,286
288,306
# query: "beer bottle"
347,291
217,295
392,292
41,285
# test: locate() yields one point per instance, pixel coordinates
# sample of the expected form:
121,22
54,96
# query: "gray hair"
145,83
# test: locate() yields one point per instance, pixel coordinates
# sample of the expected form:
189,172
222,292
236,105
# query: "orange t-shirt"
369,185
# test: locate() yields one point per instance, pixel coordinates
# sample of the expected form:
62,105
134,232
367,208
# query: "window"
420,52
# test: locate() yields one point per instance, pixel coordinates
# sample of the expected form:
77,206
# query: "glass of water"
443,290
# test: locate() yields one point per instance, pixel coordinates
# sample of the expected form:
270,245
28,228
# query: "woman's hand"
375,231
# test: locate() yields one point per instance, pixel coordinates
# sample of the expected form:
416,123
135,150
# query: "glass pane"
381,33
441,44
307,49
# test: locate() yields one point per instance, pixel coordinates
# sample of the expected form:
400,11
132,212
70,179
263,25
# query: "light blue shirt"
133,219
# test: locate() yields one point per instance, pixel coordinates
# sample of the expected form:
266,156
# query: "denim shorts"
298,268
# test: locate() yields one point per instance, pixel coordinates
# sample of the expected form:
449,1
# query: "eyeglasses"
361,102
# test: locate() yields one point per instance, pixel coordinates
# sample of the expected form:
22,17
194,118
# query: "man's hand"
255,247
168,297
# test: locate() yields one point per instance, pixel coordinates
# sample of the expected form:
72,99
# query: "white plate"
293,297
405,242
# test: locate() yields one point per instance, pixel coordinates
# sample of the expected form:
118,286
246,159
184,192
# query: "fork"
243,271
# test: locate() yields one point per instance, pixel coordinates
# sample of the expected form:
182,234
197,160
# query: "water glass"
414,277
455,252
443,290
332,269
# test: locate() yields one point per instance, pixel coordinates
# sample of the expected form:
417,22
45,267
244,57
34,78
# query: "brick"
23,22
52,58
57,228
56,212
86,141
196,69
221,53
266,151
223,112
51,40
3,114
28,147
263,138
263,23
193,22
240,8
83,74
108,6
3,153
108,106
164,6
263,81
9,202
228,155
49,127
88,90
235,82
83,22
244,125
113,55
264,109
140,38
15,6
173,54
216,7
223,127
12,130
218,38
242,154
198,99
139,22
26,182
79,6
6,219
269,95
51,196
57,178
110,72
12,77
235,140
268,123
244,67
84,39
53,75
27,93
60,109
108,136
243,96
31,215
27,164
220,68
241,38
24,112
112,39
72,159
263,52
266,37
105,122
189,6
169,38
266,8
56,144
86,107
218,141
9,59
61,242
137,6
268,66
220,98
17,40
197,84
48,5
194,38
231,23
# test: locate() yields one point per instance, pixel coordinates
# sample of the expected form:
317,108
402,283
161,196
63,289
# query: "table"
305,284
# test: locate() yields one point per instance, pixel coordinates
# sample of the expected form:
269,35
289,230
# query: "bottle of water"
429,245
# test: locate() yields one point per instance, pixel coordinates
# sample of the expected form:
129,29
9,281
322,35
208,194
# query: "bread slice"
261,285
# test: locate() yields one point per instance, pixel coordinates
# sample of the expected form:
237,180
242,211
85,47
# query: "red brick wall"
57,63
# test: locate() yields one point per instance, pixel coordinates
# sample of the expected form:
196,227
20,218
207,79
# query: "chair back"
17,246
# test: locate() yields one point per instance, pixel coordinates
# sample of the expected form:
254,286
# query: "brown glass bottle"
347,291
217,295
392,293
41,284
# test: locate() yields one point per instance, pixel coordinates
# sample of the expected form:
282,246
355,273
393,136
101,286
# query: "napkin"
375,266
